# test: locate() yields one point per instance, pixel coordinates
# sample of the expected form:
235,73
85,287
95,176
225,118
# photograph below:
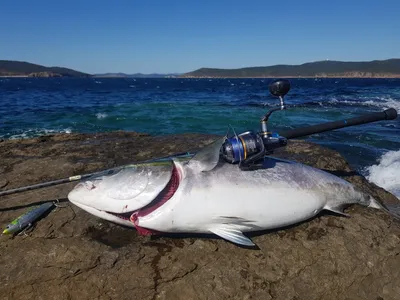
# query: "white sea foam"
381,102
101,116
384,102
390,102
34,132
386,174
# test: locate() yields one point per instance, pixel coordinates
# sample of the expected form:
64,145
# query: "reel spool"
249,147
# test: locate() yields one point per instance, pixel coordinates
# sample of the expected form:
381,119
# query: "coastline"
388,68
14,76
335,76
70,251
217,77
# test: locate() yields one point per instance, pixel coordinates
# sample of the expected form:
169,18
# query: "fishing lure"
25,221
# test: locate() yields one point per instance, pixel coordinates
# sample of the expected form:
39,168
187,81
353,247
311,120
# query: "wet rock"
3,182
71,254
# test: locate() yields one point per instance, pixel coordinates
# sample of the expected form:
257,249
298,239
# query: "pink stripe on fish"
162,198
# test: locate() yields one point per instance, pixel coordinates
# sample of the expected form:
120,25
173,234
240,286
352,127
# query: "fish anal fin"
208,157
338,210
231,234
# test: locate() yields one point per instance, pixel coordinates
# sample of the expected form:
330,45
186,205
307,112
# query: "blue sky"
180,36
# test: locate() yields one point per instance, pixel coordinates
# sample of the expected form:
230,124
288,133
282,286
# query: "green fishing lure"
25,221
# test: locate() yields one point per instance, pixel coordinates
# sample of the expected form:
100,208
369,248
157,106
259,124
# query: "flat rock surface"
71,254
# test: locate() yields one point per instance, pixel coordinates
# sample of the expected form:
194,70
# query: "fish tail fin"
375,203
369,201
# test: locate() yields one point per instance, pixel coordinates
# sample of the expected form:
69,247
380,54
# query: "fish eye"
8,226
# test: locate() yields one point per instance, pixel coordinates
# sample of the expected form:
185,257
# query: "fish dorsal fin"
232,234
207,158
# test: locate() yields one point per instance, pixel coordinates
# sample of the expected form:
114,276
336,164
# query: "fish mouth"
166,194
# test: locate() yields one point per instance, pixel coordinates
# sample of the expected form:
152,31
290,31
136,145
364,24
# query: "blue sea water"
37,106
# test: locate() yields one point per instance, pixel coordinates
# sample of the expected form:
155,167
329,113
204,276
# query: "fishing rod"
249,148
388,114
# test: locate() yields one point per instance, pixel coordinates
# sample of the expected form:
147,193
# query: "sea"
161,106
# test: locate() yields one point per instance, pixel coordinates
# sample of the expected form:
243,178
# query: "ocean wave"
386,174
382,102
101,116
385,103
35,132
252,104
254,100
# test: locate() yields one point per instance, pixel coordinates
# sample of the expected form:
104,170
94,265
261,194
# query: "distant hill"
20,68
375,69
137,75
111,75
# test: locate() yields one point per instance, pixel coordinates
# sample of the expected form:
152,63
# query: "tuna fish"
205,194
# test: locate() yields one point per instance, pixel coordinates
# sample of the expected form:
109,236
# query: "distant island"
10,68
389,68
136,75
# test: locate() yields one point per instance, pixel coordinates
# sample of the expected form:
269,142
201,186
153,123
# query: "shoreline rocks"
73,255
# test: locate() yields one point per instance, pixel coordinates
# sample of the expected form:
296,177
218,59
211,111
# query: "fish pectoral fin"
231,234
338,210
208,157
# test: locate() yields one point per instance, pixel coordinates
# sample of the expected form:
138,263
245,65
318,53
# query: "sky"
170,36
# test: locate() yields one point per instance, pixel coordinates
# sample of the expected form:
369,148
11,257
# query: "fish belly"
284,194
248,208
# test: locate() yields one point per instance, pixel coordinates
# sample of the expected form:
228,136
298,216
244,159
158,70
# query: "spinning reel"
249,148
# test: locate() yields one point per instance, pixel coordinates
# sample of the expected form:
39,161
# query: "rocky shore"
70,254
44,74
36,75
